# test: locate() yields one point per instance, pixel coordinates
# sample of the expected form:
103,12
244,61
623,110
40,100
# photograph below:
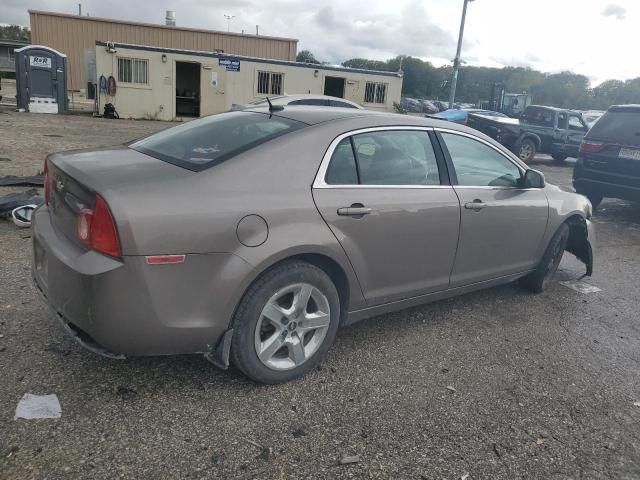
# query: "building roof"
201,53
156,25
5,42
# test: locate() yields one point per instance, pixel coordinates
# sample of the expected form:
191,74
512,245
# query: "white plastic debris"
636,404
580,287
38,406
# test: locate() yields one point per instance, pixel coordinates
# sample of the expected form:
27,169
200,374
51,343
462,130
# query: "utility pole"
457,60
229,18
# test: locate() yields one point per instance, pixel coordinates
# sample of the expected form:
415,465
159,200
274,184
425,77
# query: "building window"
133,70
11,55
375,92
270,83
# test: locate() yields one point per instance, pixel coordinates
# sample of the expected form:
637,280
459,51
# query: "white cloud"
616,11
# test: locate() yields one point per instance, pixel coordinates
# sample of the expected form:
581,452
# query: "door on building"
187,89
334,86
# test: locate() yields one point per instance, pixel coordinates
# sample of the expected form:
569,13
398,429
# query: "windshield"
621,127
206,142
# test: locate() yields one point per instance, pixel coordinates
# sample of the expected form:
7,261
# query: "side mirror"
532,179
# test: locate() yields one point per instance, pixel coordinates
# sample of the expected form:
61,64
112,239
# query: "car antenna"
274,108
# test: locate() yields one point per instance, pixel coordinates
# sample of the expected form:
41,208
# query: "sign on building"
230,64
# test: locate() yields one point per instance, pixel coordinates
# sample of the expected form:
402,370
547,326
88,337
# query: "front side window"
133,70
270,83
393,157
479,165
375,92
209,141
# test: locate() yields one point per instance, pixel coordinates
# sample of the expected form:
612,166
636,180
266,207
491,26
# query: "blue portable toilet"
41,79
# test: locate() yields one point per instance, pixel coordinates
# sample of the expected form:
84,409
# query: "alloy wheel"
292,326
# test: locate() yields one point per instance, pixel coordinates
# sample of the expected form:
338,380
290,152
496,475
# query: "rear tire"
538,280
285,323
527,150
558,158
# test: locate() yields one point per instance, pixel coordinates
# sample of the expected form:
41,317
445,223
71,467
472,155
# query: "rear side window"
395,157
337,103
311,101
209,141
342,167
621,127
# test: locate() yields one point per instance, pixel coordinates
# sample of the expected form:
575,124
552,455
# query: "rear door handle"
356,210
476,205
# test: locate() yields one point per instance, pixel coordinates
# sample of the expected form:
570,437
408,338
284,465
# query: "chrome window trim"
319,181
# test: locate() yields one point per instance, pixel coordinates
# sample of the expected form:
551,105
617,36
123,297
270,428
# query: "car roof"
316,115
625,108
284,99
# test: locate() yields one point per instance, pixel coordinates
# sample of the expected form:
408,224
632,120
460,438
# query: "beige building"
168,84
73,35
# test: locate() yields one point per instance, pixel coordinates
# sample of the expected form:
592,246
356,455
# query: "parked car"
609,161
555,131
459,115
207,238
591,116
310,100
411,105
428,106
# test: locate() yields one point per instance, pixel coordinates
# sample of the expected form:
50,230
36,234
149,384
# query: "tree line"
566,89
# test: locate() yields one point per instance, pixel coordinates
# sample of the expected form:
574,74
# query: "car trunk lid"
76,177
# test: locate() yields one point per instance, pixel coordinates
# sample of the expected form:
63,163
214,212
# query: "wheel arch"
531,136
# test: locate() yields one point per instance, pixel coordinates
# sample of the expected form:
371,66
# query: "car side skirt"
357,315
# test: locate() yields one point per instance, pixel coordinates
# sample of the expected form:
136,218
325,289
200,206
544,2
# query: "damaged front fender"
581,241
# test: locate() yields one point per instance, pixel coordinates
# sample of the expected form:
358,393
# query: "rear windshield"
209,141
617,127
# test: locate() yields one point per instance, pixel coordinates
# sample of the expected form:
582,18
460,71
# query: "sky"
594,37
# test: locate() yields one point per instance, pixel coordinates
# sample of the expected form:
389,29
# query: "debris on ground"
540,441
255,444
299,432
38,406
451,389
125,393
464,477
580,287
636,404
348,459
265,454
15,200
15,181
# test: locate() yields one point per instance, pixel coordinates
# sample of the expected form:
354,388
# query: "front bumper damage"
581,242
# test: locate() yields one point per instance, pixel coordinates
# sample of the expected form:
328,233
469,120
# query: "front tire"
538,280
558,158
527,150
285,323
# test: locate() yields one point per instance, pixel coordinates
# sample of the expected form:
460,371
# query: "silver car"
252,236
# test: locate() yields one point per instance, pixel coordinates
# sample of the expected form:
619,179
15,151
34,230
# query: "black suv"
609,160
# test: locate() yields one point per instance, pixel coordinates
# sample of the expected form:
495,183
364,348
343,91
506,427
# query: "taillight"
591,147
97,229
47,185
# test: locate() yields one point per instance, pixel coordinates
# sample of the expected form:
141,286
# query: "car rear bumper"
127,307
606,189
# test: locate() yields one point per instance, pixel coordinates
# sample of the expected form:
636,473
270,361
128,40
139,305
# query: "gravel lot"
495,384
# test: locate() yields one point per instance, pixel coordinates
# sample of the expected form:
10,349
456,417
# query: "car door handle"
476,205
356,210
